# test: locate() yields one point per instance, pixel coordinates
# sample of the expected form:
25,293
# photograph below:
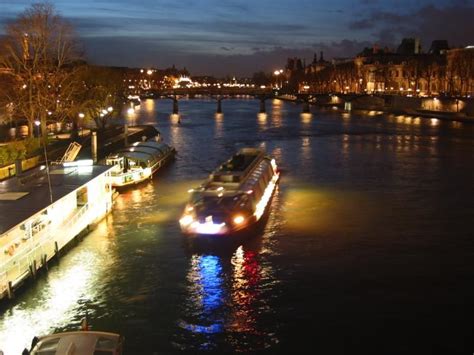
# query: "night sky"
238,37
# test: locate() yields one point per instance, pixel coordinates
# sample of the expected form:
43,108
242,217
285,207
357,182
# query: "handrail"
42,240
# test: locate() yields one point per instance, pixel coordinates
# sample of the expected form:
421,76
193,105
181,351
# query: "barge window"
81,196
262,185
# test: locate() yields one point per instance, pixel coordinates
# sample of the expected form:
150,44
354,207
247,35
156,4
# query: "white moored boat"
80,342
234,197
138,162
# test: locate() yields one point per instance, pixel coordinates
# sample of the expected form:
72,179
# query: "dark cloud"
361,24
159,54
454,23
215,36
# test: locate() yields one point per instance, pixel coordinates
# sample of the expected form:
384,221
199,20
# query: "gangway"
71,153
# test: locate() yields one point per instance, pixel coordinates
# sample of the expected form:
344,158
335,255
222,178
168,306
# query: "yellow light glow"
239,219
262,204
186,220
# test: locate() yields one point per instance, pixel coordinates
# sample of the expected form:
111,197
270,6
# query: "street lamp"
277,73
110,108
37,124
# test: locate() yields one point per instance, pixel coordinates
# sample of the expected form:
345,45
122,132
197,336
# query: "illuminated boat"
79,342
234,197
138,162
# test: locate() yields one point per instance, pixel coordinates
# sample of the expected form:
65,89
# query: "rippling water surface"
368,245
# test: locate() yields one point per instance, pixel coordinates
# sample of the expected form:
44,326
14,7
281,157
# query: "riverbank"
405,106
110,139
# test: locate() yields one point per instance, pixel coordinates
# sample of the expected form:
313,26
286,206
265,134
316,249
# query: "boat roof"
143,151
80,342
237,167
21,198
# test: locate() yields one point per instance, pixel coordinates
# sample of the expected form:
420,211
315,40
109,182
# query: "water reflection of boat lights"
61,296
246,270
137,196
205,279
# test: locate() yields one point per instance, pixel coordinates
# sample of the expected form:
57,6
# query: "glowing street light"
149,71
81,115
37,124
110,108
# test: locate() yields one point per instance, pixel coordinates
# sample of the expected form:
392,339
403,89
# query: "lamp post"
37,124
278,83
81,117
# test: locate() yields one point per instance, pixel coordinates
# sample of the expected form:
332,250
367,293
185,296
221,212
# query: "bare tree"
101,95
461,70
39,50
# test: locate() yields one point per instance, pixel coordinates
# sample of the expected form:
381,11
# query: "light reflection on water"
63,296
356,193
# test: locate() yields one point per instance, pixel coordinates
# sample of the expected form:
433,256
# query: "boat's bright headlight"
186,220
239,219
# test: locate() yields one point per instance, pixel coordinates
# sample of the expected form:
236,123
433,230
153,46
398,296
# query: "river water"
368,245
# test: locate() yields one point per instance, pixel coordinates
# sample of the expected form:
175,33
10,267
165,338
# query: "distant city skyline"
240,37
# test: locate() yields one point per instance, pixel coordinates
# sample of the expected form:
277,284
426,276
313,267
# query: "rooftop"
20,198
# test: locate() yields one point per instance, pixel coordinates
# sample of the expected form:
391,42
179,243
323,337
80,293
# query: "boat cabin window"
105,346
225,178
47,347
117,161
81,196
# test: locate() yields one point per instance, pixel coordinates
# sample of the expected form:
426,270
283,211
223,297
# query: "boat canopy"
238,167
146,151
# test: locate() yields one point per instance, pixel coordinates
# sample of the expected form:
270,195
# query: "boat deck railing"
42,246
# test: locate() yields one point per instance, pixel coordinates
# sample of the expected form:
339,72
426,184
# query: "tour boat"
84,342
138,162
234,197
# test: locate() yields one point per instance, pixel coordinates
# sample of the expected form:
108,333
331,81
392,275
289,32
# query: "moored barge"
138,162
234,197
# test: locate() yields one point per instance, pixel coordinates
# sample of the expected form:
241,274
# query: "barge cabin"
42,213
138,162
